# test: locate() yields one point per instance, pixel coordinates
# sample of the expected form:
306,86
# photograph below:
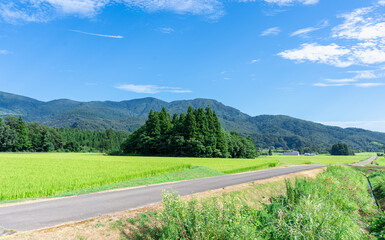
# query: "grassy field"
36,175
319,159
48,174
380,161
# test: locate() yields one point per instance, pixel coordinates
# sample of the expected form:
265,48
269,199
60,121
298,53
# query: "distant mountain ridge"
266,130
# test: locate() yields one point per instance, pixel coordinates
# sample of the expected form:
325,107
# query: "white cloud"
345,80
330,84
98,35
15,11
361,24
304,31
367,85
365,74
151,89
287,2
254,61
166,30
363,35
370,125
331,54
4,52
271,31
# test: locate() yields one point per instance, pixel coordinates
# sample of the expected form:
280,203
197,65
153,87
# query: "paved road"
366,161
37,215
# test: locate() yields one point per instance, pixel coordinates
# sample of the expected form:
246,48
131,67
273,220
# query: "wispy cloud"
288,2
15,11
44,10
97,34
4,52
370,125
363,32
367,85
271,31
366,74
330,84
151,89
254,61
331,54
304,31
345,80
166,30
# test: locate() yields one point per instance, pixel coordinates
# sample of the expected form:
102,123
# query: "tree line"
195,134
16,135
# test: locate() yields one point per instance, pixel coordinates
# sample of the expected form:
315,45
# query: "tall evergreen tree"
23,142
190,125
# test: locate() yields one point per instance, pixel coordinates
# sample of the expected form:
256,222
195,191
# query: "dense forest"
277,132
16,135
197,134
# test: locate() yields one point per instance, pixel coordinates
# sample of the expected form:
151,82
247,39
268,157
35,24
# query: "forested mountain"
266,130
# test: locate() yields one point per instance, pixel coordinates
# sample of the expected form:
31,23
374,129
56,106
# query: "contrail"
96,34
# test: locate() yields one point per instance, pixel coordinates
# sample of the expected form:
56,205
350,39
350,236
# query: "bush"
326,208
341,149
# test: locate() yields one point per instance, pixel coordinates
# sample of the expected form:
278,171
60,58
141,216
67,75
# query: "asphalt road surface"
38,215
366,161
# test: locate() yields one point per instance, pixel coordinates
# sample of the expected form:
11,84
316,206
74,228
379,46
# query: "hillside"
266,130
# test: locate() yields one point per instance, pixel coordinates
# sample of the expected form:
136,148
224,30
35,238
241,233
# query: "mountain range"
267,131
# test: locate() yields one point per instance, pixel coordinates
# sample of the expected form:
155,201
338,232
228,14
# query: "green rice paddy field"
37,175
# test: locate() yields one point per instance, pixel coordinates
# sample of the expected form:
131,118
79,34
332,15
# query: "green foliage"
377,227
341,149
18,135
197,134
8,137
327,208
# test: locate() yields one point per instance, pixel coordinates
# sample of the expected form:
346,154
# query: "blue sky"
319,60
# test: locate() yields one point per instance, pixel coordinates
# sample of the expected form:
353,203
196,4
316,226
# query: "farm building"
293,153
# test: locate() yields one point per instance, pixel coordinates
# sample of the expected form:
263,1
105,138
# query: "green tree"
8,137
340,149
23,142
190,125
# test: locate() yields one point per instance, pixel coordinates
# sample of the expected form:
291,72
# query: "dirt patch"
104,227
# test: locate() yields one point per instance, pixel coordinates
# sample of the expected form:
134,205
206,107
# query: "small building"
293,153
310,154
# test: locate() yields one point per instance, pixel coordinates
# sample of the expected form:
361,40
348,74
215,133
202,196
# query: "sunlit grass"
34,175
319,159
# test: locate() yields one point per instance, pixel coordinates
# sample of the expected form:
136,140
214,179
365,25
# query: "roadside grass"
376,175
336,205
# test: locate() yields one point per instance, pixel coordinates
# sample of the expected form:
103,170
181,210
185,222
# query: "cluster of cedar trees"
195,134
17,135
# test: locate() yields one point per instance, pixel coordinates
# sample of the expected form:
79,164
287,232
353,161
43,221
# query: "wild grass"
330,207
376,175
